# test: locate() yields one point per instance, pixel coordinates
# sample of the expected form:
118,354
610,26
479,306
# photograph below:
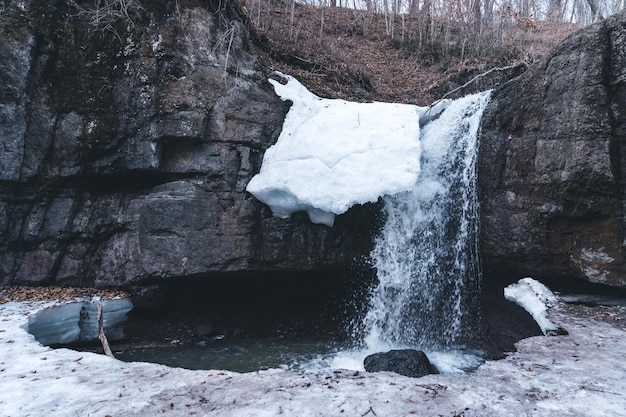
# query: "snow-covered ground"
580,374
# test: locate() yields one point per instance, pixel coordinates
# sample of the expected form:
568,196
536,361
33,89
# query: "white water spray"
426,254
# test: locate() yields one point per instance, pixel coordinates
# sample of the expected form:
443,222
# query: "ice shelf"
78,321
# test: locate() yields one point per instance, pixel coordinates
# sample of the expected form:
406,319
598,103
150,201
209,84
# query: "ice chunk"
56,325
433,111
333,154
78,321
113,316
535,298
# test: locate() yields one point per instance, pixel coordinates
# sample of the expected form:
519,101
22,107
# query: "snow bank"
582,374
333,154
36,380
535,298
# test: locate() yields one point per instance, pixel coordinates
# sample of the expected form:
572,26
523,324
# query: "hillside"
347,53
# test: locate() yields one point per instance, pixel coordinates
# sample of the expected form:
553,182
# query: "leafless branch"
101,335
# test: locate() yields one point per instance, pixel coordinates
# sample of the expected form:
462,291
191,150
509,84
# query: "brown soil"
351,56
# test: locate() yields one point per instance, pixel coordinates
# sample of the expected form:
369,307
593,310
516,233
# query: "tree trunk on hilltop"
425,18
292,18
322,21
555,11
477,16
488,11
525,8
595,11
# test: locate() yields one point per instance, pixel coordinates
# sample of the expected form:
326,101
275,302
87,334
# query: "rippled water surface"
299,355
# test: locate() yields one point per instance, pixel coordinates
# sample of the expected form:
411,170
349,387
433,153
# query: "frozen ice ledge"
78,321
332,154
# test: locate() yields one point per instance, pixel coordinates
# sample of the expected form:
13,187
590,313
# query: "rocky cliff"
552,164
129,132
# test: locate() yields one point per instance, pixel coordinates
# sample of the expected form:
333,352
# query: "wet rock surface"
408,362
551,164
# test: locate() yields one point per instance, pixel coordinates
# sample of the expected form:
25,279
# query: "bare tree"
555,10
322,21
477,17
292,18
595,11
525,8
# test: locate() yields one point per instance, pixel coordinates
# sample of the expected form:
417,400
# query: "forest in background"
483,11
411,50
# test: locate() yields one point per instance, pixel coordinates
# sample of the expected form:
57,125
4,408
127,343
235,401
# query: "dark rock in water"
407,362
552,164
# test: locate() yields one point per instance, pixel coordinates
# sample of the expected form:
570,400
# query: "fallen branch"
371,410
484,74
102,336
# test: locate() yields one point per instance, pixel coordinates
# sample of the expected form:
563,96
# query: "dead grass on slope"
347,53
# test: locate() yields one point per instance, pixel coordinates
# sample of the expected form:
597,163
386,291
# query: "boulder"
408,362
552,161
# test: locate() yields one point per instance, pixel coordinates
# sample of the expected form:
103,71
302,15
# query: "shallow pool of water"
238,355
309,356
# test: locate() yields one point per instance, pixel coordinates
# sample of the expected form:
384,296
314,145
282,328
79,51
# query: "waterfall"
426,255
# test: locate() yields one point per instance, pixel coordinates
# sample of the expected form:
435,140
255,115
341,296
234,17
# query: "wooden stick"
102,336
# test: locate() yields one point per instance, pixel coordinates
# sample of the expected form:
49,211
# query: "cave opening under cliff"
250,321
244,321
317,304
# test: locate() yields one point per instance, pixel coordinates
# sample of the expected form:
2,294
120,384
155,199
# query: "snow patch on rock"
535,298
332,154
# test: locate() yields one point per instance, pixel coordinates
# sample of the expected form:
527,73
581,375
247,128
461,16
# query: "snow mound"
535,298
582,374
332,154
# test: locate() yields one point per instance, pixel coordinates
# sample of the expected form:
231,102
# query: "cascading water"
426,253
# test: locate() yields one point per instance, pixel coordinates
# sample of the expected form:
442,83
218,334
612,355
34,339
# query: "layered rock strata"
552,164
127,141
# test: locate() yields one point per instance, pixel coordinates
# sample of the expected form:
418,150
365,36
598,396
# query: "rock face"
127,144
552,164
408,362
128,136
